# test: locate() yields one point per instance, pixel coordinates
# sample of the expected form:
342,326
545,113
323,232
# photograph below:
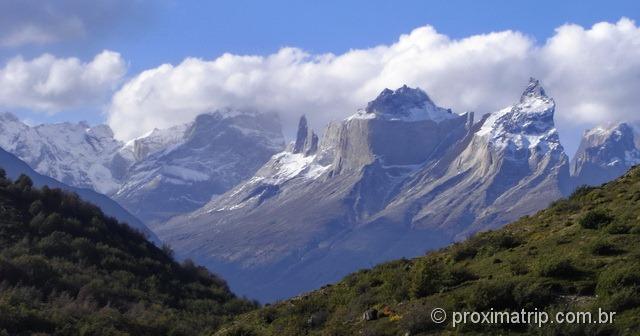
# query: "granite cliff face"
509,165
396,178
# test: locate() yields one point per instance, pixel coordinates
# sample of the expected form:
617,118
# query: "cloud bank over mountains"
52,84
594,74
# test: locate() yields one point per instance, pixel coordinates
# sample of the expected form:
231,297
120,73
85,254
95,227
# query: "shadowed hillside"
67,269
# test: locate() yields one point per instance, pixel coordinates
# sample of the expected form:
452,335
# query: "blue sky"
142,35
168,31
209,28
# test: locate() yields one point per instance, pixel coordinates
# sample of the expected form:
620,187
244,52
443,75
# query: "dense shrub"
558,268
427,277
504,240
24,182
581,191
621,277
432,275
56,244
518,268
620,287
618,228
9,272
604,248
237,330
464,251
492,294
531,295
595,219
626,298
485,243
418,321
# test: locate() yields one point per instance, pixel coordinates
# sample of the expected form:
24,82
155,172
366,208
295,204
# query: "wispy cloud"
29,22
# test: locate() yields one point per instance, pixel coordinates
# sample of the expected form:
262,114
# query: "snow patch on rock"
404,104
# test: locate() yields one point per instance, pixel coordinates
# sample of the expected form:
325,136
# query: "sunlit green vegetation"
580,254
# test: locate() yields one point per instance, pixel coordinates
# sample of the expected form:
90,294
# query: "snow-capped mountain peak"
534,90
605,153
617,131
179,169
73,153
157,140
535,100
529,123
404,104
166,172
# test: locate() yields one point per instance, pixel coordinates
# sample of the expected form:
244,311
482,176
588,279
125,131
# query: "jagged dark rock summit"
534,90
306,139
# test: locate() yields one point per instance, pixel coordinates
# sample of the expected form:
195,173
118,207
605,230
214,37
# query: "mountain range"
394,179
159,175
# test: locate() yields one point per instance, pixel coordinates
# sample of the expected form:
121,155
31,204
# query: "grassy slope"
579,254
66,269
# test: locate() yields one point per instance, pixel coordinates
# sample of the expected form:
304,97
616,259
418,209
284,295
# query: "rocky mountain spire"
528,123
532,115
534,90
470,119
306,139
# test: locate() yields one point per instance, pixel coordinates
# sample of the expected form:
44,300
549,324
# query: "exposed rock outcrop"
604,154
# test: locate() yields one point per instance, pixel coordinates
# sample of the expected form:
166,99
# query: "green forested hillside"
580,254
66,269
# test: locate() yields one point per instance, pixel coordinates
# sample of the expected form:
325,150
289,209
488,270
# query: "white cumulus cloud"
593,73
51,84
460,73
